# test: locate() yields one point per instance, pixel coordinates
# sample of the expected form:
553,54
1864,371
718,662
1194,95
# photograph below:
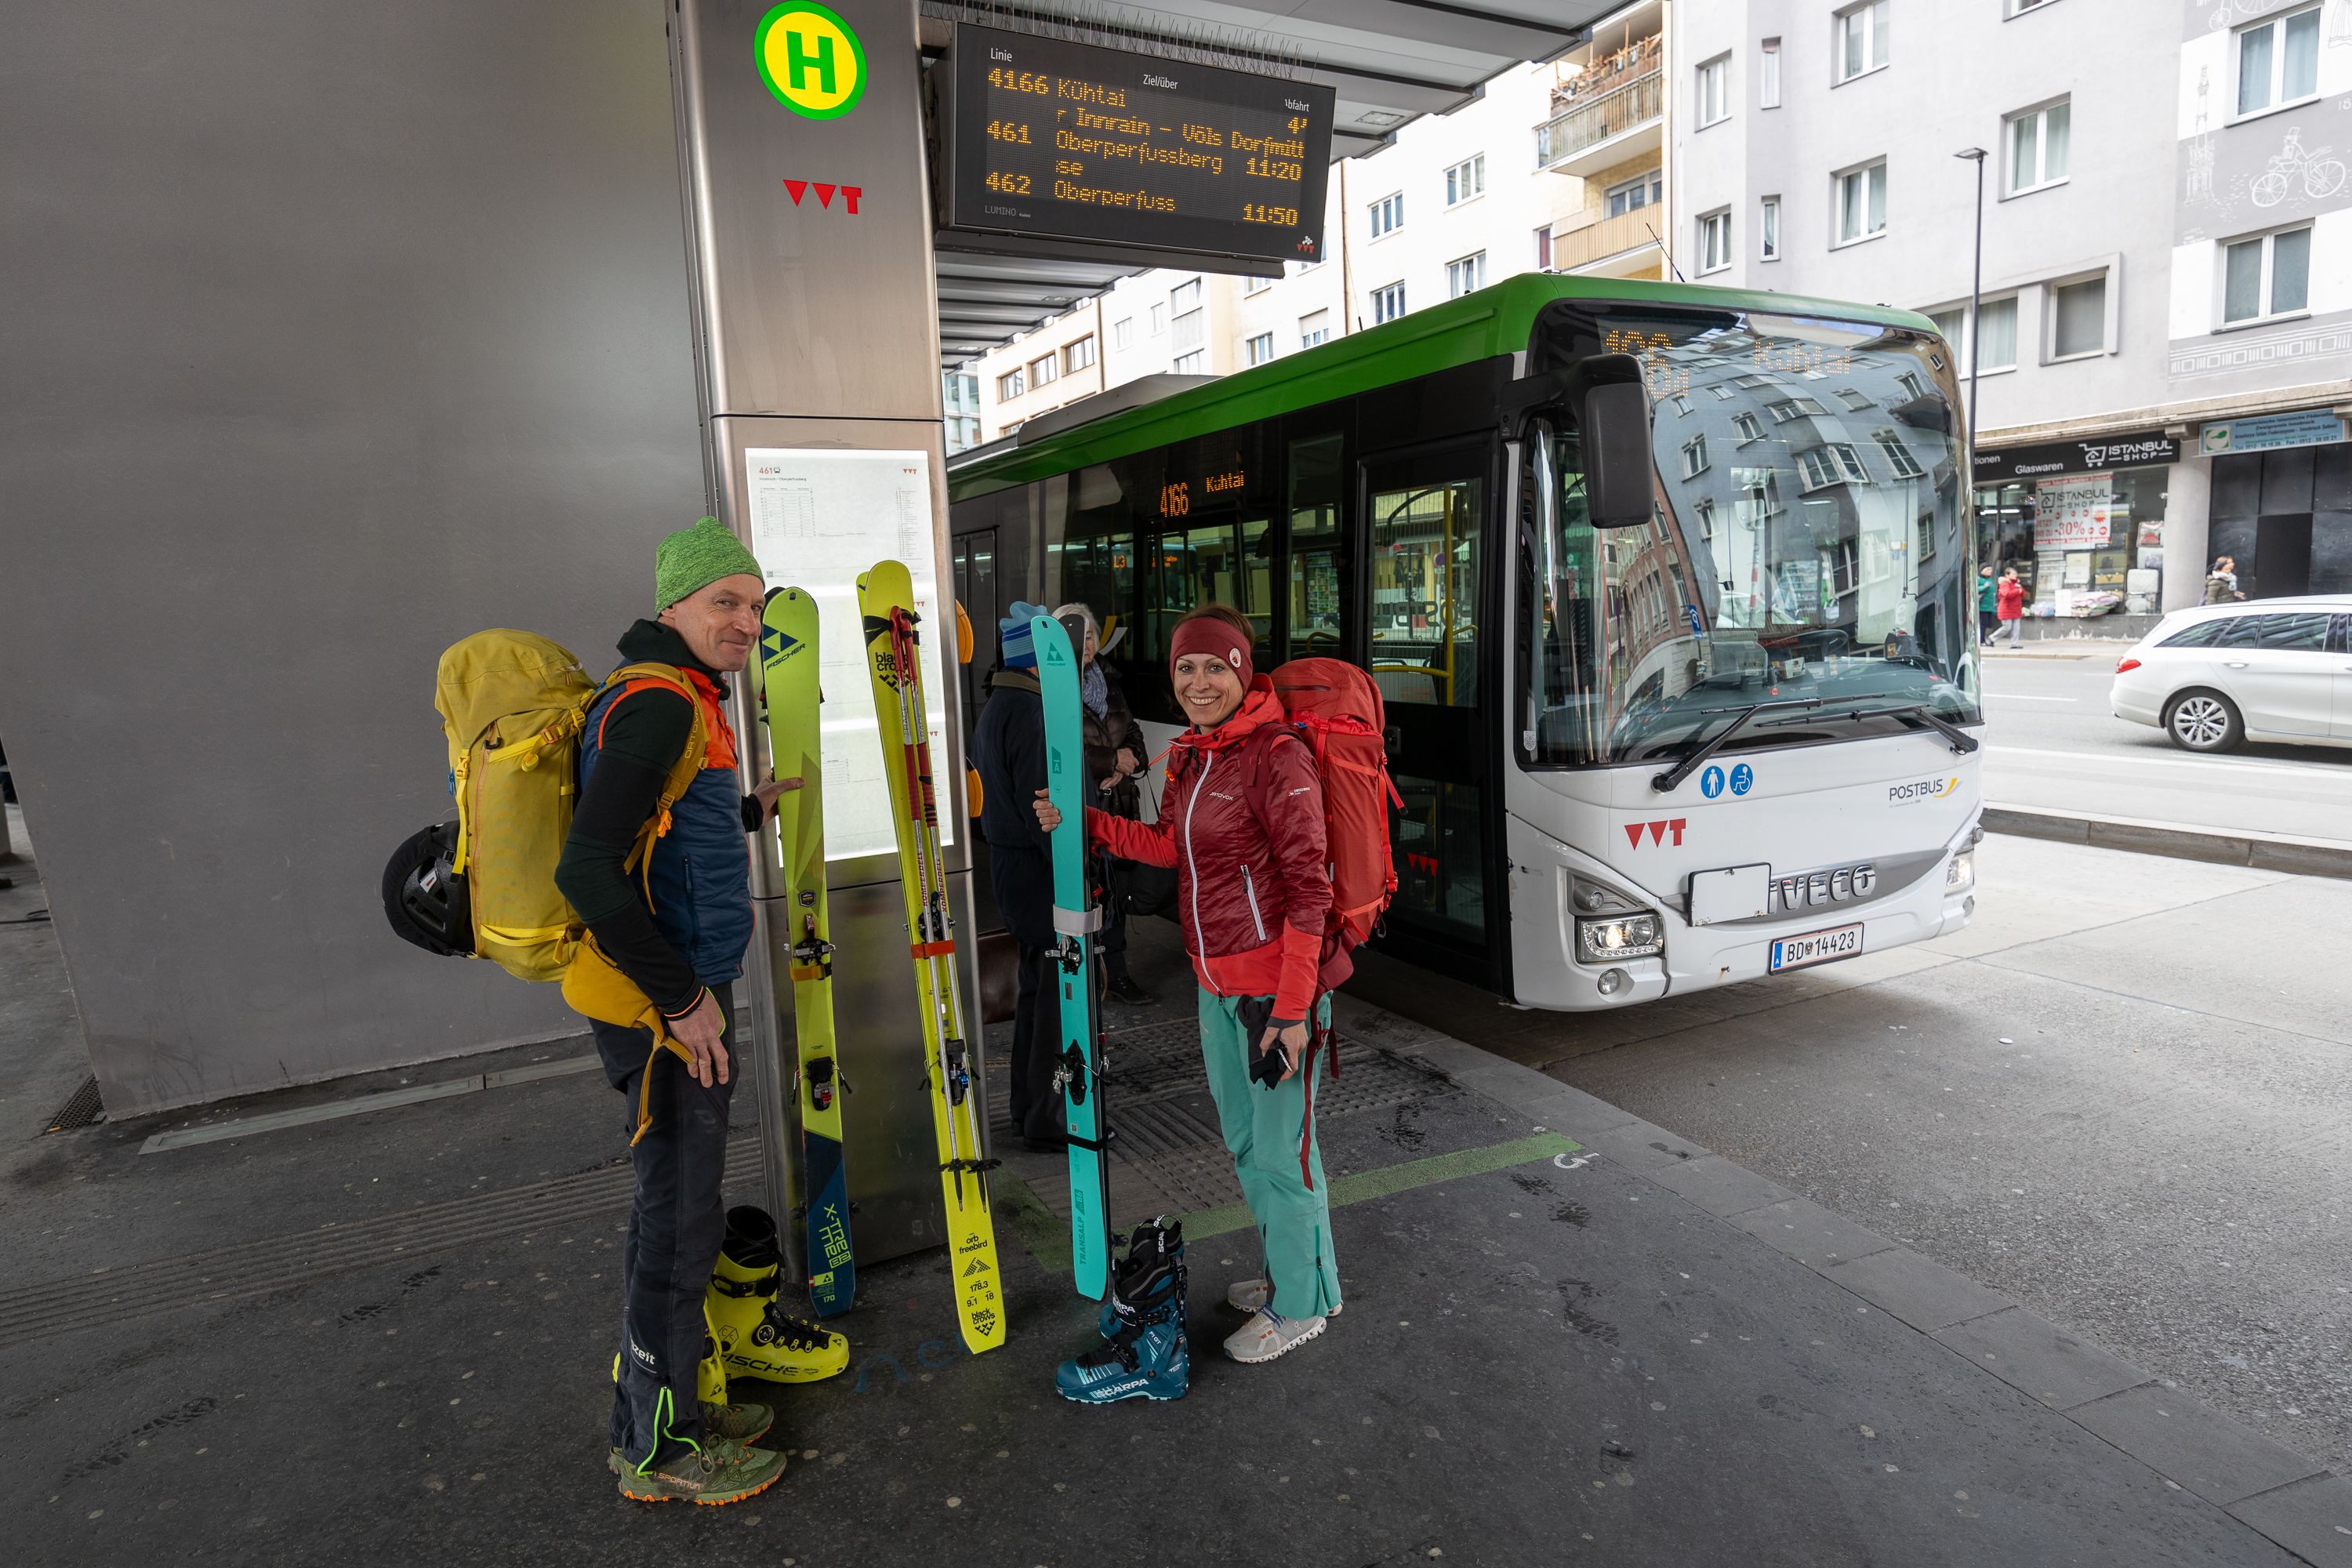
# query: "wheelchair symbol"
1743,778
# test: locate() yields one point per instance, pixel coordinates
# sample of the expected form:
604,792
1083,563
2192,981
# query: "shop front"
2282,504
2083,524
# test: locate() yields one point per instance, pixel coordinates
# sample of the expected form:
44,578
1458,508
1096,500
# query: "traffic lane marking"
2208,763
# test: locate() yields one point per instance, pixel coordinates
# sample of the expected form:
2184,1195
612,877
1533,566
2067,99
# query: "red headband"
1209,635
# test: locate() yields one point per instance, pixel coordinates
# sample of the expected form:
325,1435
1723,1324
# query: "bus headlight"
1607,940
1961,872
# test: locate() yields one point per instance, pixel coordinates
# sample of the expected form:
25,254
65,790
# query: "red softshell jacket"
1242,822
2013,600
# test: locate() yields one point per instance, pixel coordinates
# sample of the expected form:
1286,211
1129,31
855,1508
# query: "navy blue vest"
701,866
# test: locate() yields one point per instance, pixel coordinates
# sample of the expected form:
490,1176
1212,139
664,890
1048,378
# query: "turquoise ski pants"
1268,1131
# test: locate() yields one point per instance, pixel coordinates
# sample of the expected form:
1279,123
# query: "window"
1079,355
1768,75
2278,62
1464,276
1388,304
1314,329
1715,242
1043,372
1008,386
1751,429
1388,213
1861,202
1768,228
1261,348
1835,464
1257,285
1645,190
1861,39
1682,404
1953,327
1705,512
1913,388
1898,456
1466,179
2037,147
1694,457
1854,398
1997,334
1159,319
1193,364
1185,296
1794,408
1751,382
2269,275
1714,92
1122,331
1543,249
2079,320
1721,393
1759,495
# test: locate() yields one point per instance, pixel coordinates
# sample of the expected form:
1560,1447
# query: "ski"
1079,1068
788,660
894,659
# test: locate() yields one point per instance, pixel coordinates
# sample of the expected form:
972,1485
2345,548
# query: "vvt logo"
1657,831
824,193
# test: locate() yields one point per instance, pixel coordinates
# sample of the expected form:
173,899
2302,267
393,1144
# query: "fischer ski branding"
788,661
894,659
1078,1067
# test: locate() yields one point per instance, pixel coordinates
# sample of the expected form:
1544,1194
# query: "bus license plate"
1816,947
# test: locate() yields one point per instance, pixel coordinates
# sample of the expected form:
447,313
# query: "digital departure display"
1074,141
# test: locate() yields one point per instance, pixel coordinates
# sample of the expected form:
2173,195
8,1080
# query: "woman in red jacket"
1242,822
2012,606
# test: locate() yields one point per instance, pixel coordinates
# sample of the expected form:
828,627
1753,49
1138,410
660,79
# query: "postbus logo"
810,59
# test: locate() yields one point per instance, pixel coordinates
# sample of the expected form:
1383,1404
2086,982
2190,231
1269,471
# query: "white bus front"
1746,683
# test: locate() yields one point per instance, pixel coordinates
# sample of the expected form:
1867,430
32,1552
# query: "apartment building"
2164,323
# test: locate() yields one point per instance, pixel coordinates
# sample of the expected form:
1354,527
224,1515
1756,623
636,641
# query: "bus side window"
1557,587
1314,625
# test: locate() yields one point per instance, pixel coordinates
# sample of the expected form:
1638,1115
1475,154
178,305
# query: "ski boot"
1147,1356
756,1337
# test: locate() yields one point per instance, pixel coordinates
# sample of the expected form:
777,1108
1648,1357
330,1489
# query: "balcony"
1605,131
1612,245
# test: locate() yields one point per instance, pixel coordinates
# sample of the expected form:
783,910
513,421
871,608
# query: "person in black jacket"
1115,756
1009,748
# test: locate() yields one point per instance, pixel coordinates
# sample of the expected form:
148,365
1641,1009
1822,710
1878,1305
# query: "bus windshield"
1810,547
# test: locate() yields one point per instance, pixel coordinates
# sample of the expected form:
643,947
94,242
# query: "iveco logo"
1813,889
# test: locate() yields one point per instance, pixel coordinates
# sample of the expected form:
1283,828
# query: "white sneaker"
1268,1333
1249,1295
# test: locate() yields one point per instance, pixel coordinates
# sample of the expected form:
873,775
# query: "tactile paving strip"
1169,1155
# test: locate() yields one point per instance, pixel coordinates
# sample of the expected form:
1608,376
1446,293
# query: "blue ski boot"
1147,1356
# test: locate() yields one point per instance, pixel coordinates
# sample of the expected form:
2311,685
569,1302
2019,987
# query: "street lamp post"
1975,290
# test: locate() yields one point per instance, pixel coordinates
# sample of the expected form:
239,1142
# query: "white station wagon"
2262,670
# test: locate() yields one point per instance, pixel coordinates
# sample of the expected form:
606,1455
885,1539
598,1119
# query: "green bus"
1668,590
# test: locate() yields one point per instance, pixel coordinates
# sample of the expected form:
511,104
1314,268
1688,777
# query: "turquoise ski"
1076,917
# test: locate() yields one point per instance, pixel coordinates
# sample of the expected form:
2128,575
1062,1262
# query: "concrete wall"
334,333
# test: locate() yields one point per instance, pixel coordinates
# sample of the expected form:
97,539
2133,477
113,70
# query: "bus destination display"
1074,141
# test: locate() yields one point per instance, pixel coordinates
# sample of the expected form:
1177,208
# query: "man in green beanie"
680,936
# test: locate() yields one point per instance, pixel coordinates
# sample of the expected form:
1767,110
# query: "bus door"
975,589
1423,589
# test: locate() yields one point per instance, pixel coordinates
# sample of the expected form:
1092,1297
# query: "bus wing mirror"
1617,488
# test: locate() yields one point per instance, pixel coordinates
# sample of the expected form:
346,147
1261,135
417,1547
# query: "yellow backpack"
512,706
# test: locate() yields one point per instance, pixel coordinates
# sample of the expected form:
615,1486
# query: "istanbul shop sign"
2077,457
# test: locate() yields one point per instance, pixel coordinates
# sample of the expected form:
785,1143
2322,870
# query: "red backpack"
1336,711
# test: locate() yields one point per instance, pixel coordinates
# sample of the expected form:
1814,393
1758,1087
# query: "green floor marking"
1048,1239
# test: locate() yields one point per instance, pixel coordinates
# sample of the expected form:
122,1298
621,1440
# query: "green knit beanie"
694,558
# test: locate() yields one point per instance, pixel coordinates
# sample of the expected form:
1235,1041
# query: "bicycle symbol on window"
2322,176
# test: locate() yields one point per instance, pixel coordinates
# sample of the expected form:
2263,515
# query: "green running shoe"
729,1423
721,1472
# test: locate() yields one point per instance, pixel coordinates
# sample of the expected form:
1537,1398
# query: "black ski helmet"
423,898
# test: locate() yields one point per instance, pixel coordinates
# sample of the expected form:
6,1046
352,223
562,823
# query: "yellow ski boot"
756,1337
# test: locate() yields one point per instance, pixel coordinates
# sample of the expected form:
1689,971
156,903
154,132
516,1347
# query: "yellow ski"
894,659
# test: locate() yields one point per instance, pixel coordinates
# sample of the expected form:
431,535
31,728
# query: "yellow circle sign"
810,59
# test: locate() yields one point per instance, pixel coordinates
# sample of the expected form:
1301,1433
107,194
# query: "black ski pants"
675,1227
1035,1104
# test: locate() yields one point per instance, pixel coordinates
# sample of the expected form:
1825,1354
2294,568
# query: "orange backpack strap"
638,677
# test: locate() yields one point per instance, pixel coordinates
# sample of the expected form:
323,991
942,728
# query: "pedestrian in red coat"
2012,606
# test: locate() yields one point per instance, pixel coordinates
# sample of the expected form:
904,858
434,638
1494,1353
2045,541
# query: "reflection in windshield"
1810,542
